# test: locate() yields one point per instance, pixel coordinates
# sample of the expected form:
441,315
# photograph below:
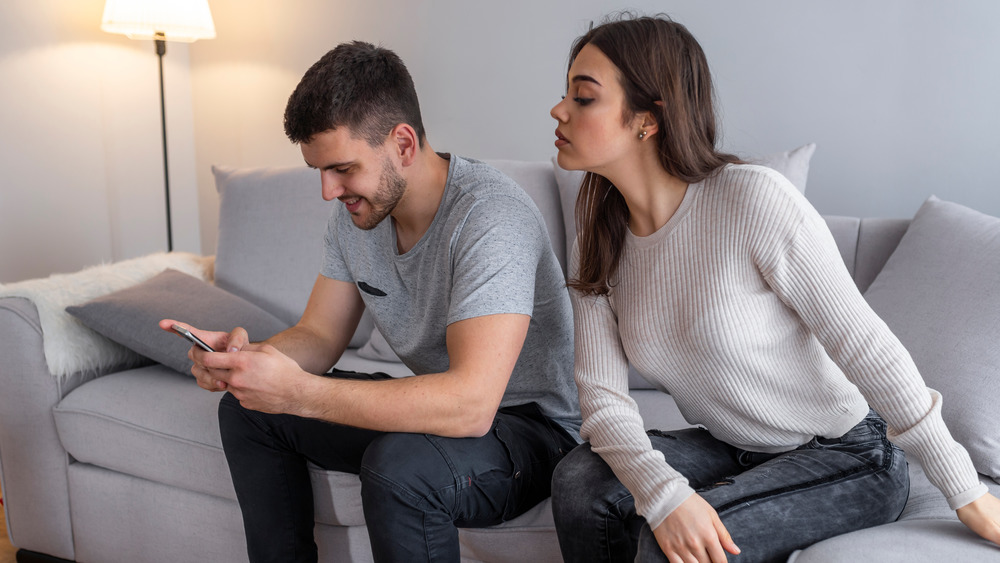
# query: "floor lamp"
161,21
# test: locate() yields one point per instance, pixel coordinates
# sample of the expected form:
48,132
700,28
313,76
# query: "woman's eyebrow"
584,78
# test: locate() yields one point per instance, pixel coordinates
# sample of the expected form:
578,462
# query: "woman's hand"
982,516
694,532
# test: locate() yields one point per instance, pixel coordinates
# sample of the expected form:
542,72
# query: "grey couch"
122,461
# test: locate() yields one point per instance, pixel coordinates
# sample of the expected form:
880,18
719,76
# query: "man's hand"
260,376
983,517
230,342
694,532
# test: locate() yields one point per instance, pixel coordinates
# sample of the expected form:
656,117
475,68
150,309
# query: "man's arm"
314,344
320,337
460,402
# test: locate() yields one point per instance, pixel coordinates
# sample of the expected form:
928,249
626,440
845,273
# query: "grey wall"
899,95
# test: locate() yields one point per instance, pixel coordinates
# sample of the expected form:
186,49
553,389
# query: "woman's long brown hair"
664,72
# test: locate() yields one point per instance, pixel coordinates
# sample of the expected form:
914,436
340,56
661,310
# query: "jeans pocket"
534,455
866,442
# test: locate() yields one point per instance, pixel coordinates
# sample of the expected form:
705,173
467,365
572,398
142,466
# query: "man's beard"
391,186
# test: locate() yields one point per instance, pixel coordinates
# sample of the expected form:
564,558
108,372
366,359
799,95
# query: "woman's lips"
560,140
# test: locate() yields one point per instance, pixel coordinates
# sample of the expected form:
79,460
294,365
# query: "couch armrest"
33,463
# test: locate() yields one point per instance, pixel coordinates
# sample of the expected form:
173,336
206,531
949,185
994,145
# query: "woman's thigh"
824,488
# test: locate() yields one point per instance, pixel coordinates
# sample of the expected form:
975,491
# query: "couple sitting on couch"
717,280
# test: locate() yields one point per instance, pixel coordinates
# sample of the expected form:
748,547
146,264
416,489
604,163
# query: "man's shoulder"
482,181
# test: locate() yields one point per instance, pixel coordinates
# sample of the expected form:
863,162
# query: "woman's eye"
583,101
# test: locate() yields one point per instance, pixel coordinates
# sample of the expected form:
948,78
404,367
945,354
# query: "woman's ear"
648,125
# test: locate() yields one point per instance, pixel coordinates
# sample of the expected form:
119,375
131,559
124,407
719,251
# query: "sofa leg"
25,556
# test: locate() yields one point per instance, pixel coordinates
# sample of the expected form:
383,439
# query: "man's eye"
341,170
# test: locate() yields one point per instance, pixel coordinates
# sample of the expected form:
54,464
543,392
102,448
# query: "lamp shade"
176,20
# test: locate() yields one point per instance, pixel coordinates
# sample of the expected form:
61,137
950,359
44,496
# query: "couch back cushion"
272,222
271,227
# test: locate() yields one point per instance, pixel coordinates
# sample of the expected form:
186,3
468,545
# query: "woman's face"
590,135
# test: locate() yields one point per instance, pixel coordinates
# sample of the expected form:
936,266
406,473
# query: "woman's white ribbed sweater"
741,308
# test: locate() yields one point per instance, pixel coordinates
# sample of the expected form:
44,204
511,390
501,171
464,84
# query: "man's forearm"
445,404
308,349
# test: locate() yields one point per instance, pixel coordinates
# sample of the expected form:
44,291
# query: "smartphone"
194,339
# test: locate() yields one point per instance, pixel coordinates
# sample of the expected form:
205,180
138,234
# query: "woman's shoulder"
752,179
756,193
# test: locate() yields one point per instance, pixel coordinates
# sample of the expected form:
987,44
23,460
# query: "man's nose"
332,188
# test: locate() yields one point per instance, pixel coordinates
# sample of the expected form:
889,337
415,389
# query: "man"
453,261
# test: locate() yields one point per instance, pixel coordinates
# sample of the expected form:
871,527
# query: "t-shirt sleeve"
334,265
495,257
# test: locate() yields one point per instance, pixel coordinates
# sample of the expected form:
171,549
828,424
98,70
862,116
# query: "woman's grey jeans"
772,504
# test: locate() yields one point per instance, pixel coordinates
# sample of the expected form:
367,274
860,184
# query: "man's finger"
238,339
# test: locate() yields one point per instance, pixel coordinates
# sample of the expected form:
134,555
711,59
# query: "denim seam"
838,476
607,527
368,472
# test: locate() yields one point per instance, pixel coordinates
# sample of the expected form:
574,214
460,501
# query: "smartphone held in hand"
194,339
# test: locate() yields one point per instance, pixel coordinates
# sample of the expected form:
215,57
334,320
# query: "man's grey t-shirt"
486,252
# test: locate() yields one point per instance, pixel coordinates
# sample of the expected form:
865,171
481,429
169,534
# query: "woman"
719,282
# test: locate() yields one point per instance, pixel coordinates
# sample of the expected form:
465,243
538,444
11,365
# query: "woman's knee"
583,482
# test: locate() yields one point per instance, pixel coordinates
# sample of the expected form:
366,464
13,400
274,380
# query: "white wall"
899,95
81,169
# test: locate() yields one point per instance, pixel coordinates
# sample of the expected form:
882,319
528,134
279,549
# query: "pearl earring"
642,135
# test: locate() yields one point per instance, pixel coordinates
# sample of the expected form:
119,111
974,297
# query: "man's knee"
231,415
410,462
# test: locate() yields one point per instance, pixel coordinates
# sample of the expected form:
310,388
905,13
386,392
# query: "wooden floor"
6,549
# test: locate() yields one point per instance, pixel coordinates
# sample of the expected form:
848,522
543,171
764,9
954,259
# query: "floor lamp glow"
161,21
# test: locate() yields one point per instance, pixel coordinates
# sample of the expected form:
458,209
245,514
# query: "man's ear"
405,143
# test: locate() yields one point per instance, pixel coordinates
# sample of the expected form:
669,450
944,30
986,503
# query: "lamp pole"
160,39
181,20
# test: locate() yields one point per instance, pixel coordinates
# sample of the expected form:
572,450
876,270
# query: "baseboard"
25,556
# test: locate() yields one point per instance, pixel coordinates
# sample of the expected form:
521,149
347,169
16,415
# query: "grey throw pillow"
130,316
939,292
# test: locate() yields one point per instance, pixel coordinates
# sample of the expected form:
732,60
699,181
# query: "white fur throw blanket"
71,347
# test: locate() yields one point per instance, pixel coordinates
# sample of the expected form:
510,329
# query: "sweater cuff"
964,498
658,511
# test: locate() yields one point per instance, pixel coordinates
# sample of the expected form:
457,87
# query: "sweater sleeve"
611,420
810,277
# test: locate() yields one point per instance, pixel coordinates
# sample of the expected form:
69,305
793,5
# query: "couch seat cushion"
150,422
902,542
157,424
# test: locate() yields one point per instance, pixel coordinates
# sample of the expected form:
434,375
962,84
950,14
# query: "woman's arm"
810,277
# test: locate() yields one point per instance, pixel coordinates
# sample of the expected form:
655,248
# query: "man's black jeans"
417,489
